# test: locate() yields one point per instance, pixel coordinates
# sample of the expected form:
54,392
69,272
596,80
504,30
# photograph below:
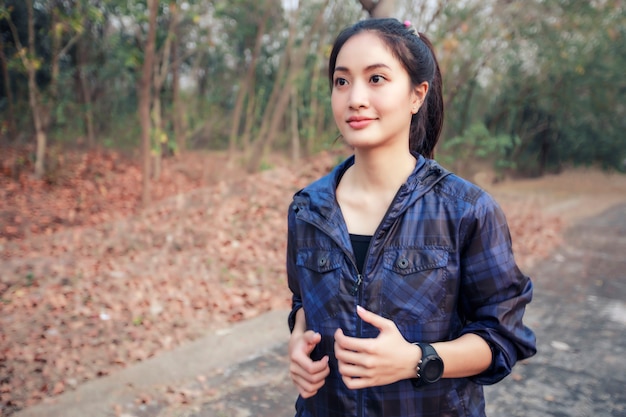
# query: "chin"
362,140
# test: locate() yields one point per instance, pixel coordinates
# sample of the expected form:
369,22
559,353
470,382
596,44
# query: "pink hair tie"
408,25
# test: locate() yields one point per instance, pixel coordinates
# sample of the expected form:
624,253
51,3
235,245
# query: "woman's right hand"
308,375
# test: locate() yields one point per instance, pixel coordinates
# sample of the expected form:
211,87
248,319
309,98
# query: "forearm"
300,322
466,356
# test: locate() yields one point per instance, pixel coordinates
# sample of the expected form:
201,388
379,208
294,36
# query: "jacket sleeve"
494,292
292,277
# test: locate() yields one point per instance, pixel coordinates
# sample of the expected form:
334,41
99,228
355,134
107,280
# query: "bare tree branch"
380,8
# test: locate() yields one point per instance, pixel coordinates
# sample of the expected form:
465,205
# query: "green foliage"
550,74
540,86
478,144
266,166
30,279
241,20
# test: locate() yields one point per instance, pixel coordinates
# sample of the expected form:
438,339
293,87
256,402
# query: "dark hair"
417,56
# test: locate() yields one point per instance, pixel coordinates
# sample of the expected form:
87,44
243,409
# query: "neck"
381,171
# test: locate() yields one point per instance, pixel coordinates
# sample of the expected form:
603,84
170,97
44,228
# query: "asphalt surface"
578,314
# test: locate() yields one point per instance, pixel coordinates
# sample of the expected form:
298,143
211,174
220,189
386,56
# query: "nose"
358,95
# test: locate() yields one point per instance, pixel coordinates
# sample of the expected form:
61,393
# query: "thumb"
311,339
375,320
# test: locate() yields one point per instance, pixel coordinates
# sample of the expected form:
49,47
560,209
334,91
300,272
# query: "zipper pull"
357,283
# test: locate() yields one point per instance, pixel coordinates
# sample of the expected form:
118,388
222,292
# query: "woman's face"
372,97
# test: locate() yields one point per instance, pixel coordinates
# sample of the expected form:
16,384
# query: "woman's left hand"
379,361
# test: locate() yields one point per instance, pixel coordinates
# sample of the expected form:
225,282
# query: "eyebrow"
368,68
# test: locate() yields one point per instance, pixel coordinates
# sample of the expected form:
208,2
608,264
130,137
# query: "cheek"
401,106
336,106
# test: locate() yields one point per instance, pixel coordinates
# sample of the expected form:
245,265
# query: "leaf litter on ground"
91,283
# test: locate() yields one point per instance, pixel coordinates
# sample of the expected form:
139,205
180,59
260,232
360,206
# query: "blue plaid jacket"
439,265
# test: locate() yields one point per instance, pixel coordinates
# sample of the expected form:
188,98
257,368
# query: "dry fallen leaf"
91,283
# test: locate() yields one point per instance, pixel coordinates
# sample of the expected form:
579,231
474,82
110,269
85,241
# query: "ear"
418,96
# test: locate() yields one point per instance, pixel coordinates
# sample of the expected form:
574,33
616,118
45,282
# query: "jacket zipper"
359,331
357,284
356,289
359,279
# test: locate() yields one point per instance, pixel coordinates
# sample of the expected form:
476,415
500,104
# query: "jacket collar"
317,203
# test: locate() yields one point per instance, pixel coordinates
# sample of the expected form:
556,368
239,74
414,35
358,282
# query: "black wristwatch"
430,367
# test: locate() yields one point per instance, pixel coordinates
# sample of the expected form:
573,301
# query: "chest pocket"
415,284
319,273
319,260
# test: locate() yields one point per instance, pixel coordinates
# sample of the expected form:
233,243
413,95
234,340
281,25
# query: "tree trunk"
178,114
38,120
81,58
314,108
161,69
465,110
58,50
295,136
254,153
10,122
250,118
296,57
41,112
36,107
145,85
55,52
246,84
158,135
33,98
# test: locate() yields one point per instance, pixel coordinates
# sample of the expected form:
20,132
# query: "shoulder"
317,200
321,185
466,194
325,186
460,188
319,190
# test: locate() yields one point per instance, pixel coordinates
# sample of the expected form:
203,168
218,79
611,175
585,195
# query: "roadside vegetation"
149,151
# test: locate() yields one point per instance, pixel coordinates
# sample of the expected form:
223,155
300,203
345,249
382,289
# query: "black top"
360,244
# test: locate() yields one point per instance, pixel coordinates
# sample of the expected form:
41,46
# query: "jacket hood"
318,201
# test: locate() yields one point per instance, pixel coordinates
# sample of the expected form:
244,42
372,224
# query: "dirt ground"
562,199
571,195
90,283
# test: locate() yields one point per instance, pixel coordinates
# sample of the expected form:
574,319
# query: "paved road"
578,314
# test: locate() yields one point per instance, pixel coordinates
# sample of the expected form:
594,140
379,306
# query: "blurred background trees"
530,86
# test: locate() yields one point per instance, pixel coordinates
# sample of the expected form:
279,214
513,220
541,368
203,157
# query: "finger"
311,340
306,388
305,367
350,343
352,370
375,320
306,382
347,355
356,383
311,379
316,367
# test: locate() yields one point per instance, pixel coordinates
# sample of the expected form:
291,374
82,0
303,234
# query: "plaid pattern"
440,265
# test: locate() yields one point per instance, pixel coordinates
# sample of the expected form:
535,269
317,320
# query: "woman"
406,295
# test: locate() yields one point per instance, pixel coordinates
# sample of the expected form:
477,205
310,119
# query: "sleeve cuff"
291,320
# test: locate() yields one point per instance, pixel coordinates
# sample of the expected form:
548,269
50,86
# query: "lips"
358,122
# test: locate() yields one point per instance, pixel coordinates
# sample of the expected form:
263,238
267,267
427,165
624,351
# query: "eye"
377,79
340,82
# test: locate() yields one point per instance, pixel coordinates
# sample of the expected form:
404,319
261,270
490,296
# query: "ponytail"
427,124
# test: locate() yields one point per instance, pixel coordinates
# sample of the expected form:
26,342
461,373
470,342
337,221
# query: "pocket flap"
319,260
409,261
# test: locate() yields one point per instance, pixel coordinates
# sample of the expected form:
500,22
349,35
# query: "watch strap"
428,353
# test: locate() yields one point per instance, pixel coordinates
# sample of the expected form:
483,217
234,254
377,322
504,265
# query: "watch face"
433,369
